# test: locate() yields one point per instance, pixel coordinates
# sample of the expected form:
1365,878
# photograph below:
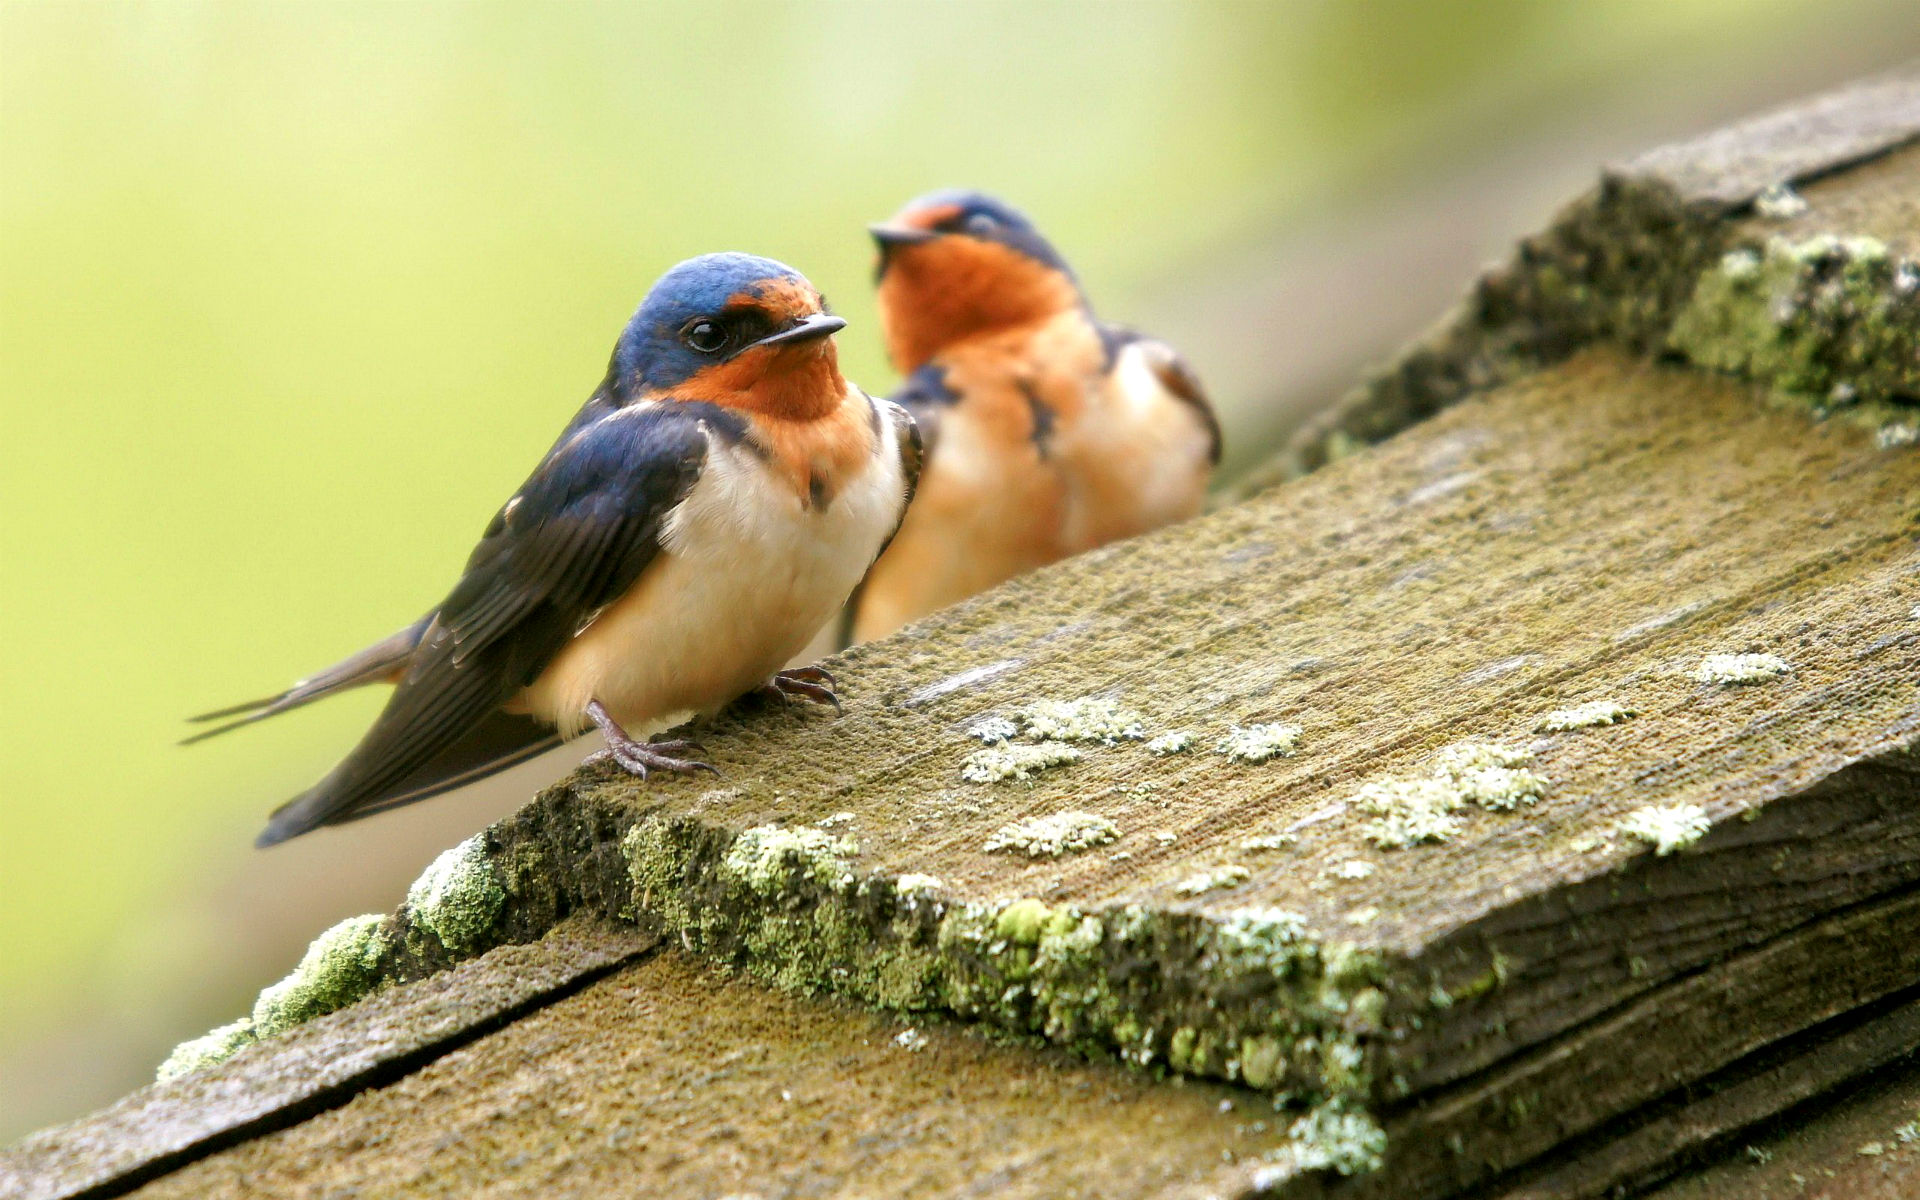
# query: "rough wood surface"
320,1065
670,1079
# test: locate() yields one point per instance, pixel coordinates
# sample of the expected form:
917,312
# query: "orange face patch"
943,291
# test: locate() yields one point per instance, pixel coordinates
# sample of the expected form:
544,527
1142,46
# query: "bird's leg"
808,683
638,757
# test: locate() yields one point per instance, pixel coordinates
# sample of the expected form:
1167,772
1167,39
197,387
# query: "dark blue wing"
573,540
925,395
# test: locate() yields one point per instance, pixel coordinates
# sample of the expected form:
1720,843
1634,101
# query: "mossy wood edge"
1621,263
1567,928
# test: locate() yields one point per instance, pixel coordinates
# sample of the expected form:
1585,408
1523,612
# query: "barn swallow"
705,513
1048,431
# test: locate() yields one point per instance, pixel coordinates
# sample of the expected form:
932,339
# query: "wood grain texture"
670,1079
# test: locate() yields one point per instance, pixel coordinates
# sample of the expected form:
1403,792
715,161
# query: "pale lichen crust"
1258,743
1213,880
1411,812
1247,996
1052,836
1834,321
457,899
1667,828
1584,716
1012,760
1734,669
1331,1137
1088,719
210,1048
1178,741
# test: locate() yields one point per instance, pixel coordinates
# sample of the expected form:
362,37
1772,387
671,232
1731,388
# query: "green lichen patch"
1584,716
1053,836
1213,880
1250,996
1830,320
1178,741
342,965
210,1048
457,898
768,858
1258,743
1330,1137
1668,827
1728,670
1011,760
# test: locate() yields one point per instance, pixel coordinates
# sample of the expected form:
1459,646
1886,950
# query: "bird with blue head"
701,517
1049,431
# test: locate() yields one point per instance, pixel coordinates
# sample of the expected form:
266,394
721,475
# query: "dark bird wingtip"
217,730
233,710
277,831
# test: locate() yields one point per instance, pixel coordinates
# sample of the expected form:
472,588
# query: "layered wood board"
1538,1004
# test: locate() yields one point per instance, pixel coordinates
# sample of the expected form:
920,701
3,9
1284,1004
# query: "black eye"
705,336
982,224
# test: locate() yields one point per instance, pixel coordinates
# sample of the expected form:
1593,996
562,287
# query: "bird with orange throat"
707,511
1048,431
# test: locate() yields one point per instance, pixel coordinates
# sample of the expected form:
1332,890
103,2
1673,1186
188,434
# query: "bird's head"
954,264
736,330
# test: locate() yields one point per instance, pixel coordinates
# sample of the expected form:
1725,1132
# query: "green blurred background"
292,295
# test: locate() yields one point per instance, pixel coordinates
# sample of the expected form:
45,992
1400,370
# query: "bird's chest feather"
750,568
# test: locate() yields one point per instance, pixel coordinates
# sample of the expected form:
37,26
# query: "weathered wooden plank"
1716,1115
317,1066
1590,533
670,1079
1688,1063
1866,1147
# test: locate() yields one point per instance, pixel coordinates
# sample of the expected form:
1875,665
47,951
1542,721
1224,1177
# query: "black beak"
900,235
818,325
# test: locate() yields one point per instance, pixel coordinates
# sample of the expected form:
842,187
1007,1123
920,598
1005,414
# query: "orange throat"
937,293
793,382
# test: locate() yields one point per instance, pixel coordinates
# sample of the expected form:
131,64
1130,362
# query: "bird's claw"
807,683
640,758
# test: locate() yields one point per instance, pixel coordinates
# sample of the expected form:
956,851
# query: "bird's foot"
637,757
807,683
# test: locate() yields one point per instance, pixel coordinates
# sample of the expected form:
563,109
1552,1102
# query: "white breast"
747,574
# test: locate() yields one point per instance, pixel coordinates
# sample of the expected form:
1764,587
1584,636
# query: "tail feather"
376,663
